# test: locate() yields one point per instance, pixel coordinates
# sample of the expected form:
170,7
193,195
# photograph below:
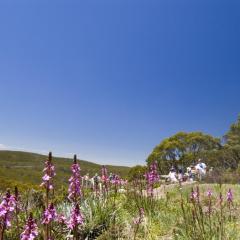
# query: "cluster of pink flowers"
76,218
140,218
152,177
154,172
230,196
123,182
49,173
195,195
7,207
116,180
104,174
105,179
61,219
74,190
49,214
209,193
30,230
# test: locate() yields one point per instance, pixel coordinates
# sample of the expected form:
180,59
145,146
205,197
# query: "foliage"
208,215
182,149
25,169
136,172
232,137
232,144
114,216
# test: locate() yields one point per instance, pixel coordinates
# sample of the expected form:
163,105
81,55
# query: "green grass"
25,169
112,216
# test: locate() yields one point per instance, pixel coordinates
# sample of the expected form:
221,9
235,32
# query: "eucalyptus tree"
183,149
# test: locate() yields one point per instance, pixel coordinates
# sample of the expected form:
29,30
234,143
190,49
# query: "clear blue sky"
109,79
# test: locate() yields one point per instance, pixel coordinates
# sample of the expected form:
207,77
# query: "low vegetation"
117,209
24,169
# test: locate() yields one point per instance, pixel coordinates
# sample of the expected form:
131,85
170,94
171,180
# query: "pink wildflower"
209,193
229,196
74,190
61,219
105,179
49,214
104,173
152,177
123,182
7,206
194,195
49,173
116,180
76,218
30,230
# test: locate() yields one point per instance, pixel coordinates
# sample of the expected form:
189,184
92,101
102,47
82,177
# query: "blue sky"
110,79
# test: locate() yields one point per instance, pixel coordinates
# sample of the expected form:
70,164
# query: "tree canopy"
183,149
137,172
232,145
232,137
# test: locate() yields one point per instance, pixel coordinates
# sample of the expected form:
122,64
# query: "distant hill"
25,169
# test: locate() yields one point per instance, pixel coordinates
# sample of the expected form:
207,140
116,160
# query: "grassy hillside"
25,169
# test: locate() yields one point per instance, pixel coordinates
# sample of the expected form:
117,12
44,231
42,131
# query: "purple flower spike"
61,219
152,177
104,173
229,196
7,206
209,193
194,195
49,214
49,173
74,189
116,180
76,218
30,230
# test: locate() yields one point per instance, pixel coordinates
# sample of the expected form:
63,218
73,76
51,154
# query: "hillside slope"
25,169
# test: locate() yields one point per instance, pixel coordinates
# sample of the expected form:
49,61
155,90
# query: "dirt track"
161,191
